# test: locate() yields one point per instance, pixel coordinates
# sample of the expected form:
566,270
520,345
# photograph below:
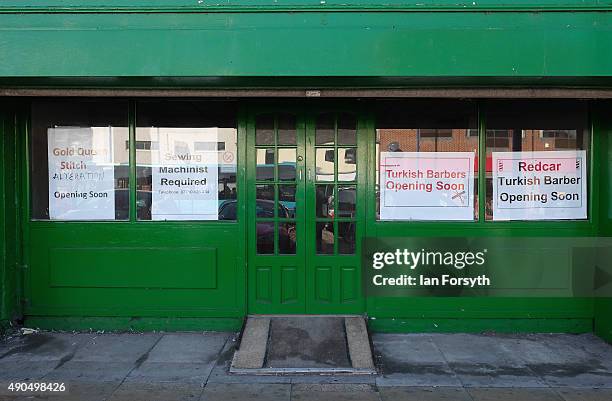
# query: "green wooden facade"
309,45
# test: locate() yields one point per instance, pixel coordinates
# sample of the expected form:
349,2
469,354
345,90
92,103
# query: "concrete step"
304,344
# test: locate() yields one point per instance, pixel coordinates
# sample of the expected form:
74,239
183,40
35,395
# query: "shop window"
426,159
435,133
191,174
536,160
79,166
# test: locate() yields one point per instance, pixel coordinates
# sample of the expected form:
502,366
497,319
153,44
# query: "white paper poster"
426,186
185,176
539,185
81,173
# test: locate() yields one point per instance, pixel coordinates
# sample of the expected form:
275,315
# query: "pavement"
411,367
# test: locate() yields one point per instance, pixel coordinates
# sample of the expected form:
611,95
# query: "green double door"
305,209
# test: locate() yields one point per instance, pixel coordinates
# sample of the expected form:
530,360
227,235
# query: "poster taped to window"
81,173
426,186
539,185
185,179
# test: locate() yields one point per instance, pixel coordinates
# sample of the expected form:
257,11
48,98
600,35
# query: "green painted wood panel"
145,269
191,6
602,116
130,267
358,44
10,286
3,278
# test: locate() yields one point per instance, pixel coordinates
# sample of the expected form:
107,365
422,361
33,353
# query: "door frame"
305,112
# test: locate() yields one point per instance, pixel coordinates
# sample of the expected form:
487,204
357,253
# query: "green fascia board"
283,5
351,44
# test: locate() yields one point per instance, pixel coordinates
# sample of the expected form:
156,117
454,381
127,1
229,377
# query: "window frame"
26,146
576,227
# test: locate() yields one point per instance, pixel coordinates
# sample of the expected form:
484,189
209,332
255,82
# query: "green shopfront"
175,166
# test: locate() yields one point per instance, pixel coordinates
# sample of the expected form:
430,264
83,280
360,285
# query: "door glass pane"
347,199
325,129
347,129
347,167
346,238
325,164
325,238
265,237
286,238
264,207
286,197
264,129
286,164
265,192
265,165
325,201
286,129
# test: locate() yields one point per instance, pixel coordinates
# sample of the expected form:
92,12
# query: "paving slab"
246,392
513,394
43,346
483,361
570,394
424,394
90,372
126,347
411,360
334,392
188,347
566,360
171,372
333,379
25,370
156,392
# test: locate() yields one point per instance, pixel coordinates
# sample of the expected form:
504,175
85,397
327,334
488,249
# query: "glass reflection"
347,201
286,197
346,238
286,129
325,129
325,201
264,130
265,165
347,168
325,164
325,238
347,129
286,164
286,238
265,238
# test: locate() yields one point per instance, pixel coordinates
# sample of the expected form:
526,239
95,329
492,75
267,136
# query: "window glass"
536,160
79,160
187,168
426,159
